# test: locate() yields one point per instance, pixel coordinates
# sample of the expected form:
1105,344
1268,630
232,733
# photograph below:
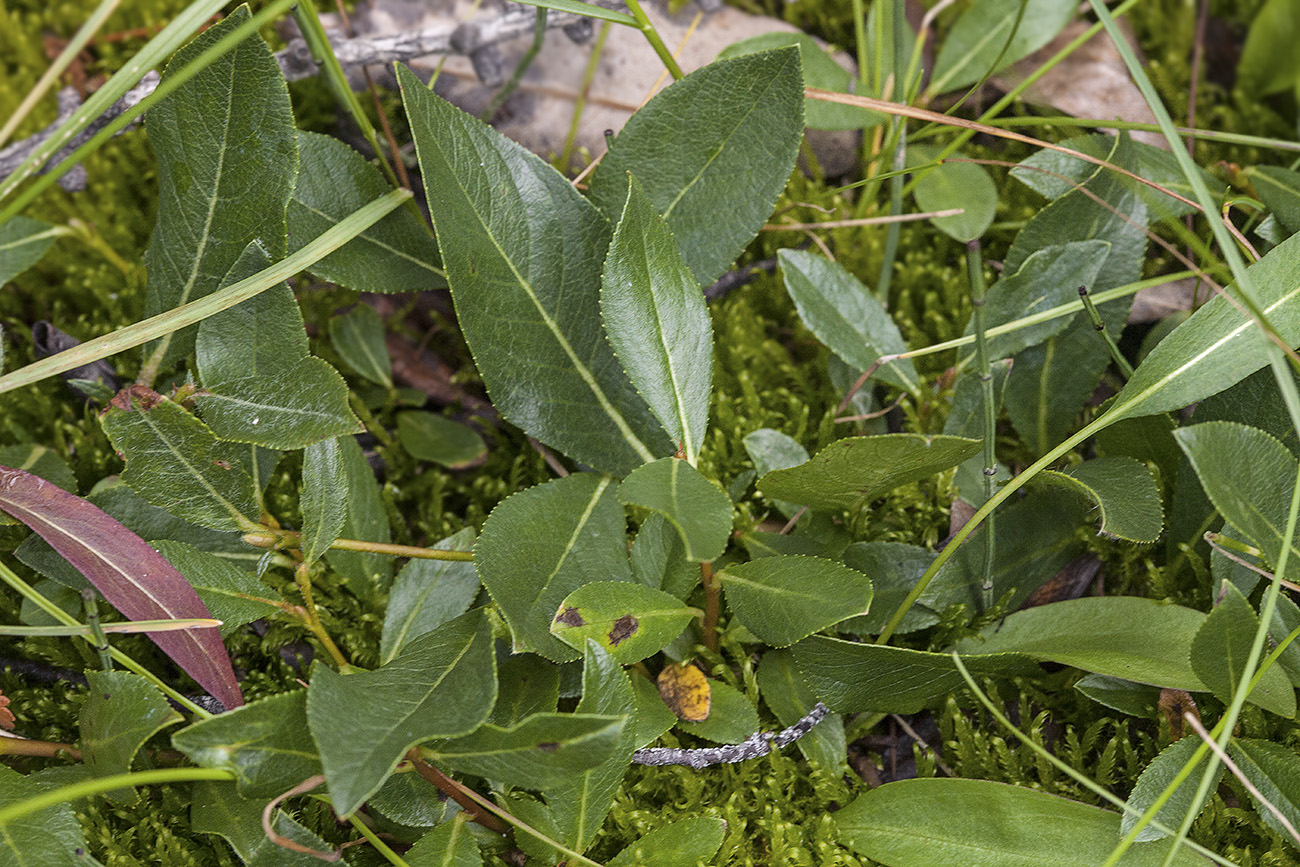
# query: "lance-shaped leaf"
1049,278
657,323
1274,770
685,843
1126,497
23,241
545,750
358,336
442,685
627,619
522,250
735,127
121,712
529,684
1221,648
850,677
1153,781
540,545
1279,189
51,837
852,472
428,593
938,822
174,461
396,254
134,578
699,509
1124,636
266,744
1218,345
846,316
324,498
579,805
227,160
784,599
1249,477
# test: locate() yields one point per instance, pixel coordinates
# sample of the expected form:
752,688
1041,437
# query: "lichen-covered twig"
752,747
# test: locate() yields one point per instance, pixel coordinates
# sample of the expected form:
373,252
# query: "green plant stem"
975,270
656,41
125,626
154,52
313,34
302,577
28,592
290,539
90,605
1056,762
1237,138
198,310
171,82
99,785
893,231
580,104
1115,355
382,847
62,62
499,98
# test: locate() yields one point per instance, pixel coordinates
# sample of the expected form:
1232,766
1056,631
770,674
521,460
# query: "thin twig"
1236,772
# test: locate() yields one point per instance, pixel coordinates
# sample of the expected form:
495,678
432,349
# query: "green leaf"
784,691
523,251
978,38
324,497
1220,650
367,521
1137,639
684,843
227,157
231,594
1155,778
541,544
1125,696
396,254
266,744
451,844
731,719
894,569
428,593
579,805
1048,278
358,337
735,127
979,823
174,461
431,437
1125,495
785,599
772,450
659,558
820,71
698,508
657,323
443,684
545,750
217,808
49,838
1275,771
653,717
954,184
589,10
1279,189
528,684
260,337
1249,477
304,404
121,712
1217,346
628,620
1268,64
23,241
850,473
1286,619
846,316
851,677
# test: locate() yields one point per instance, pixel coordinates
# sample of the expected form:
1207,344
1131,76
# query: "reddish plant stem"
711,594
456,792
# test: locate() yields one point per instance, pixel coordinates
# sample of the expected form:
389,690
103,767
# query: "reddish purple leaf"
134,578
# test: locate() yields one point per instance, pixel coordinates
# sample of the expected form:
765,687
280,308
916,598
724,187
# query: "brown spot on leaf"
570,617
624,628
548,747
225,465
135,396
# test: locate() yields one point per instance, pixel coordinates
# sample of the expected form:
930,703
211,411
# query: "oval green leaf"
628,620
358,337
431,437
785,599
1124,493
699,509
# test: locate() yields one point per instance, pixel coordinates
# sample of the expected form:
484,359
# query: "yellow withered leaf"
685,690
